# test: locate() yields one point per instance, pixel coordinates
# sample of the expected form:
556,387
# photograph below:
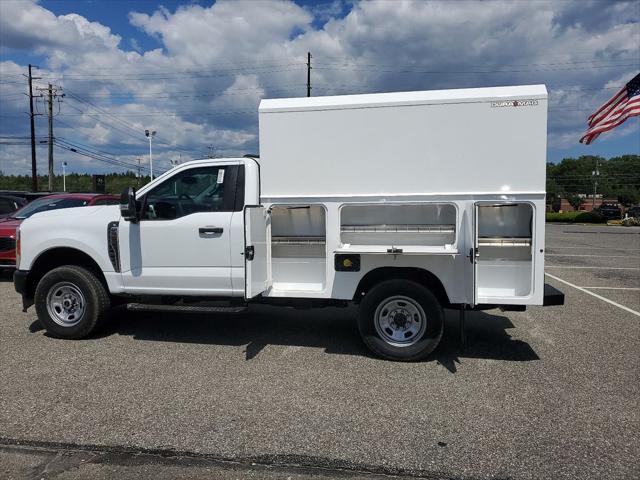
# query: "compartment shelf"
504,241
426,229
397,250
298,248
298,240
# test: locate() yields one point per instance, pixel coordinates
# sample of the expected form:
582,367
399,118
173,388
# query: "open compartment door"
256,251
474,253
503,253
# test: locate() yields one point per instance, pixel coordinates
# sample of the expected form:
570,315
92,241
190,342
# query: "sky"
195,71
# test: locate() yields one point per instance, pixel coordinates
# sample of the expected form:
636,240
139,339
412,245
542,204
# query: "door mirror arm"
128,205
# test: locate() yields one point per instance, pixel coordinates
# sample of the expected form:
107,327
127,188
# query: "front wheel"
71,302
401,320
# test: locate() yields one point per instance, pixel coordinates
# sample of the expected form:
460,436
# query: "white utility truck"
404,203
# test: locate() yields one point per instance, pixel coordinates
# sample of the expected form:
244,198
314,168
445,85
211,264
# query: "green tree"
575,201
628,196
619,177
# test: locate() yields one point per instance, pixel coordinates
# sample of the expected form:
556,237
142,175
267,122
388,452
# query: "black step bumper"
552,296
20,280
20,283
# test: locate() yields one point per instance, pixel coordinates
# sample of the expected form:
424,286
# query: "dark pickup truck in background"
610,211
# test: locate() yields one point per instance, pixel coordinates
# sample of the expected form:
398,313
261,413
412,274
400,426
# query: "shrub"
589,217
561,217
575,217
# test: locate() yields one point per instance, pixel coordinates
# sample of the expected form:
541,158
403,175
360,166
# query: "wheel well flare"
418,275
57,257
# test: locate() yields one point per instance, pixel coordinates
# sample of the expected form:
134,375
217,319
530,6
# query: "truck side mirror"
128,207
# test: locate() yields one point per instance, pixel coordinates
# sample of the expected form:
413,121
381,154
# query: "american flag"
623,105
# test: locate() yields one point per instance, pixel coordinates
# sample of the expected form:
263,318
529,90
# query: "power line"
283,67
573,62
168,75
88,153
20,136
97,118
190,94
493,71
91,148
290,61
166,113
124,122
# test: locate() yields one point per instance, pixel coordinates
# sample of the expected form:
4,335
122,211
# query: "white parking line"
593,294
584,255
612,288
591,268
583,247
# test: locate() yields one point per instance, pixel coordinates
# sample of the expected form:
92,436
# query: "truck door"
256,250
181,244
503,247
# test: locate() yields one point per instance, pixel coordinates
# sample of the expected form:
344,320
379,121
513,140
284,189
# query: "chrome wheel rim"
65,304
400,321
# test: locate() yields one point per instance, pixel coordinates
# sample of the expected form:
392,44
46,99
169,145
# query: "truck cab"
186,235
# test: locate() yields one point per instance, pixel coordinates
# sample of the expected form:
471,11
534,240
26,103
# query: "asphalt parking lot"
546,393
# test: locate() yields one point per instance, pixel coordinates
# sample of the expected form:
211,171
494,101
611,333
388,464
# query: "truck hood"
76,212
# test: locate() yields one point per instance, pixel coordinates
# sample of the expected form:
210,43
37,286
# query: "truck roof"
372,100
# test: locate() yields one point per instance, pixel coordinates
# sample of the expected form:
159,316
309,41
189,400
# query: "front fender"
83,229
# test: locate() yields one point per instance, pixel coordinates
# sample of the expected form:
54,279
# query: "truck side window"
191,191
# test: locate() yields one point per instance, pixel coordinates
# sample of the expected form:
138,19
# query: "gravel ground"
546,393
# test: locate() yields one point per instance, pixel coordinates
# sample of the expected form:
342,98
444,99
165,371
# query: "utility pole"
139,170
308,74
34,170
52,92
210,151
595,174
50,138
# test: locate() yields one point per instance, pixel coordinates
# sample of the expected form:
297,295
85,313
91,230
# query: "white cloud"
27,25
203,85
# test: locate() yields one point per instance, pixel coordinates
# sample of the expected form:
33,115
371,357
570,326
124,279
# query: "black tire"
424,342
95,306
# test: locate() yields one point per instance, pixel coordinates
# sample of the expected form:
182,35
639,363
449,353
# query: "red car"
9,224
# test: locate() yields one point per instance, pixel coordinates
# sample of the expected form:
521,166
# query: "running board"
144,307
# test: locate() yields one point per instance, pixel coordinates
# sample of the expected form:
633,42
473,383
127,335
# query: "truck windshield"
44,204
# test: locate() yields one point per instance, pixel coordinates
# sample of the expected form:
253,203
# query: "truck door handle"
210,230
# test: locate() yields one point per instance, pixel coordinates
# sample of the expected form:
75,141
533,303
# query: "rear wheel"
71,302
400,320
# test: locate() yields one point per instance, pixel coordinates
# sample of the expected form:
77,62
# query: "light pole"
176,161
595,174
64,176
150,136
